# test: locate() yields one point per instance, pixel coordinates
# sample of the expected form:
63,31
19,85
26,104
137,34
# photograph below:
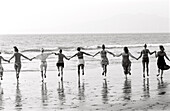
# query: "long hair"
16,49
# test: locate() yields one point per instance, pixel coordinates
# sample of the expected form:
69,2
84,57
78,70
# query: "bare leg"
143,69
58,70
147,68
158,72
61,73
17,73
161,73
78,71
105,69
45,69
129,69
17,69
82,67
125,70
42,76
1,75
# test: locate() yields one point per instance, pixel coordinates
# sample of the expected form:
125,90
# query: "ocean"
30,46
93,91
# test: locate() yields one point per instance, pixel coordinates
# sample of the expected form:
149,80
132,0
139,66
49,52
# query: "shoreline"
93,92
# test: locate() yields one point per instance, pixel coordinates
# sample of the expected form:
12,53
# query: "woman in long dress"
126,63
161,61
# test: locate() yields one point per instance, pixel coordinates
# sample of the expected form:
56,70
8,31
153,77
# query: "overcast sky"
84,16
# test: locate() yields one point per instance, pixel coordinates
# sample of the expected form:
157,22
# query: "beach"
92,92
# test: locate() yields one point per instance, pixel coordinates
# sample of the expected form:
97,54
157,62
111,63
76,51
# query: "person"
17,64
145,59
60,63
161,61
126,63
1,68
43,66
104,59
81,62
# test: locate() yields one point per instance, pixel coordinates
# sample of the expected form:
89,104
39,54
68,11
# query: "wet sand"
92,92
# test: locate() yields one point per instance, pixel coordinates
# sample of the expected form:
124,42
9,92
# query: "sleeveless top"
80,55
145,53
125,59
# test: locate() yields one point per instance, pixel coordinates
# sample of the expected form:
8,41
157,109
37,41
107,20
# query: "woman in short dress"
161,61
126,63
104,59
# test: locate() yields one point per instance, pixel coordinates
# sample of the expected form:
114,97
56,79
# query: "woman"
145,59
43,66
161,61
104,59
60,63
17,64
1,68
81,63
126,63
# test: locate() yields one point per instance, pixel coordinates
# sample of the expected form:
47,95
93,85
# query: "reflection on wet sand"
127,89
18,98
60,90
44,94
81,89
1,96
105,92
161,86
146,93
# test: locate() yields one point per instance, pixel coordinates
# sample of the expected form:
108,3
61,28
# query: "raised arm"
4,59
87,54
167,57
133,56
156,54
96,54
66,57
50,53
111,53
55,53
26,57
11,58
73,56
33,58
140,55
118,55
152,52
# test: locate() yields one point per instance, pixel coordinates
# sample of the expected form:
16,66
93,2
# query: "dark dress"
126,63
161,61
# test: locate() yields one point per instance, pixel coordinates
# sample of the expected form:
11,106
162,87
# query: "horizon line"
88,33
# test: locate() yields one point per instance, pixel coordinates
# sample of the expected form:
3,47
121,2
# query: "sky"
84,16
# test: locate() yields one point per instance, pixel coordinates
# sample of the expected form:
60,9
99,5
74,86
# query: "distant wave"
121,46
94,47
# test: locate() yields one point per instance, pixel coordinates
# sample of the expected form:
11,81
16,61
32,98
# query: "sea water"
30,45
